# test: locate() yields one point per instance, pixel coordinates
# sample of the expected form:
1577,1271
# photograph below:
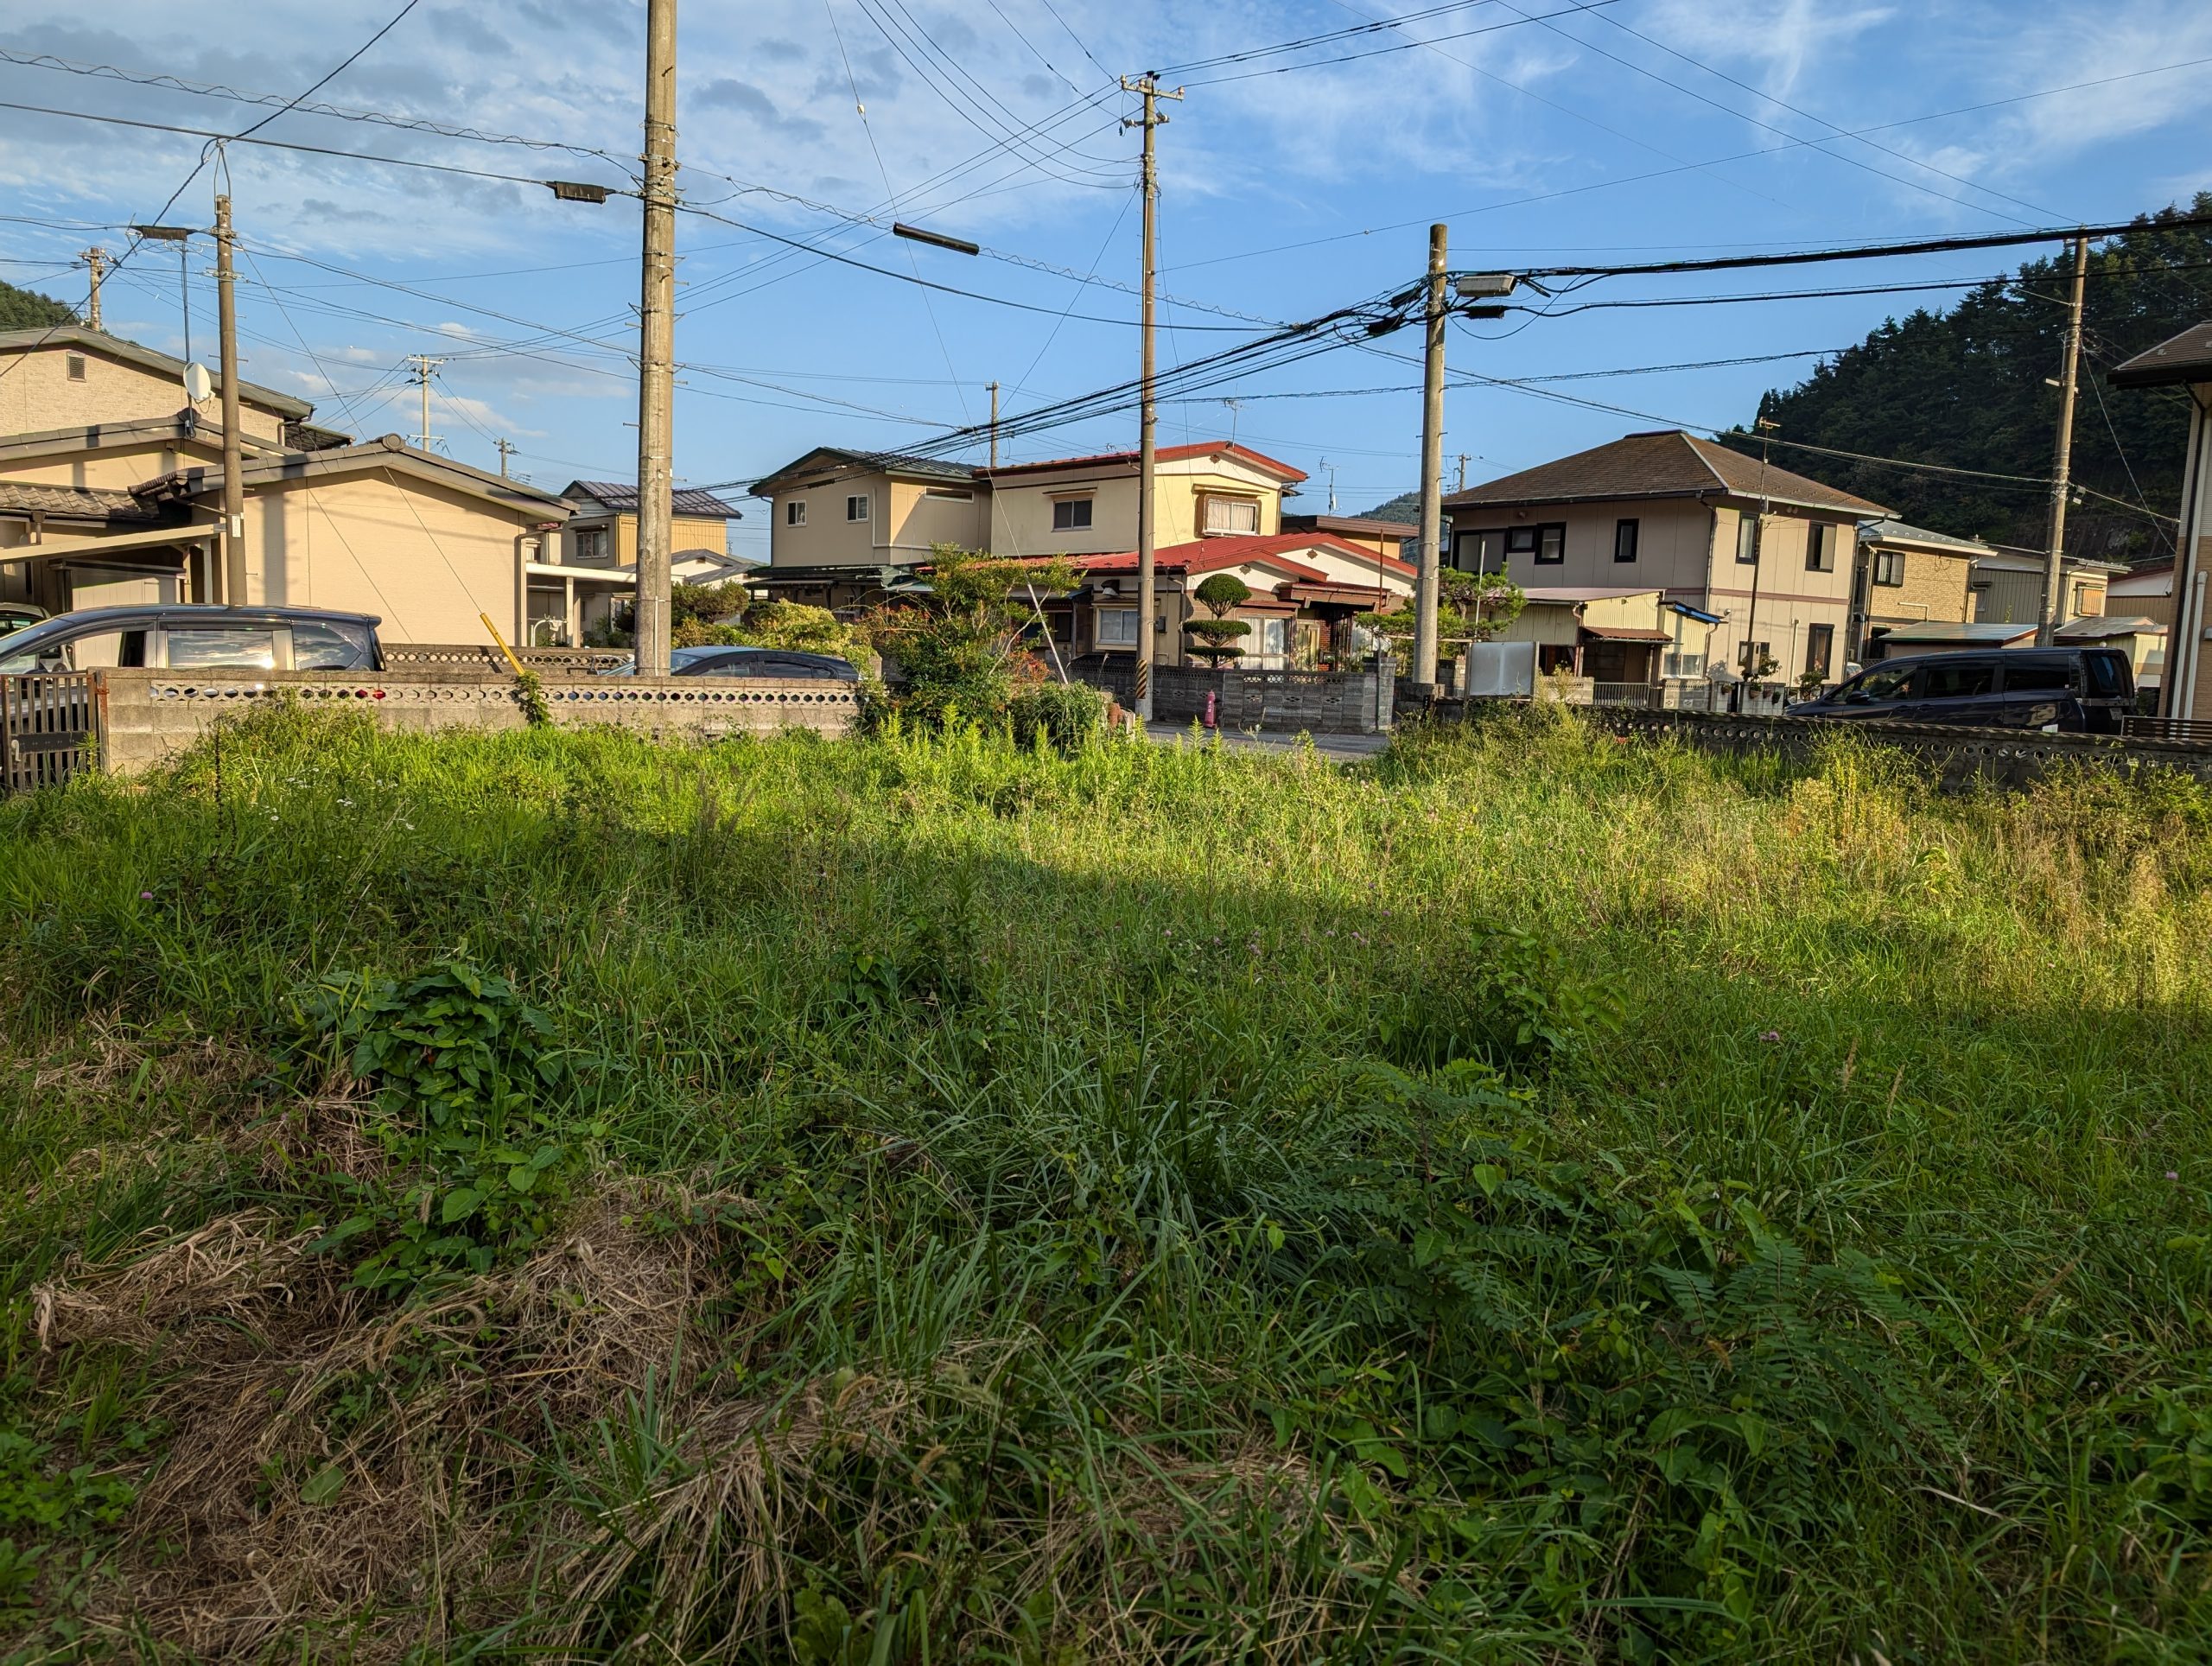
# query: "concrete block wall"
149,716
1321,702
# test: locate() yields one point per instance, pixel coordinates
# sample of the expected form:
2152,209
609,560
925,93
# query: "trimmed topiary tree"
1217,637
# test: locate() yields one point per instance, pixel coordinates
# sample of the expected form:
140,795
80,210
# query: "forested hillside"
1966,388
27,309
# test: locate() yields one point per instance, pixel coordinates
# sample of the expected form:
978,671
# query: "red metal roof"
1212,555
1169,454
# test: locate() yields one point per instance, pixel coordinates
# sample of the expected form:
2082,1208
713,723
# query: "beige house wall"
36,394
424,559
827,539
1021,506
116,469
917,519
1675,542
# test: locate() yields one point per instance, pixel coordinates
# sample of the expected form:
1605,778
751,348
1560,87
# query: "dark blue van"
2073,690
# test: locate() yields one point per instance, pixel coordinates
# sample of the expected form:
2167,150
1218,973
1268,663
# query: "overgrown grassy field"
1528,1198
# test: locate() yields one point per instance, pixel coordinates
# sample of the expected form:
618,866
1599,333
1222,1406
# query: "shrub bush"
1062,715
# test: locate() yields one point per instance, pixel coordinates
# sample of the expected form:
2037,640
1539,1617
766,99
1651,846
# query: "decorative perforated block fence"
2005,757
485,657
124,721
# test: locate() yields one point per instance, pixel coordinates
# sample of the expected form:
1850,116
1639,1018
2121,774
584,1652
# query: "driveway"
1339,748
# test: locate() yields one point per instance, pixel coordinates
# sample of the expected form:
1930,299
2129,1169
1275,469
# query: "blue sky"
1291,183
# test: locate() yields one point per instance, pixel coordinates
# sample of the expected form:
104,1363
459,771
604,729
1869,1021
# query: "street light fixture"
1485,285
959,245
165,233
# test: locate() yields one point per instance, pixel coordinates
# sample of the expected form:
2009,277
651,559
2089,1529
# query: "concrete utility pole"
1461,483
2053,612
1147,408
506,450
424,364
995,425
1748,654
1432,476
656,347
96,262
227,310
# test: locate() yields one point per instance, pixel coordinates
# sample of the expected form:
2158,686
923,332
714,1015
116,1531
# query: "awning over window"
1625,634
1698,614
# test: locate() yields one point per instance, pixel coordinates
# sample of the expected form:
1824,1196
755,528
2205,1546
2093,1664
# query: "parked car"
749,662
193,637
18,615
2076,691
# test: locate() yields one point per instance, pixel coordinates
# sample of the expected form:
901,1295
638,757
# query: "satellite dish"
198,384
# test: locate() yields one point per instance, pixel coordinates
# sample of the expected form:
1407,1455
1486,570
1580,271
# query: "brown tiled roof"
74,502
2184,358
1666,464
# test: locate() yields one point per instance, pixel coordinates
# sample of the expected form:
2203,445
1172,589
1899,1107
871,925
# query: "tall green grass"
1531,1198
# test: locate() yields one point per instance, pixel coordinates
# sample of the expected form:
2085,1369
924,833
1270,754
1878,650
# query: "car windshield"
24,647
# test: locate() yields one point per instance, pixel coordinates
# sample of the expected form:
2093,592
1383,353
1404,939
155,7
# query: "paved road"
1340,749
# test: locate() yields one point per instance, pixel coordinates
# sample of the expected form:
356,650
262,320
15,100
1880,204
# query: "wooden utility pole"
995,425
1147,408
226,311
656,347
2053,612
507,450
1432,475
424,364
95,262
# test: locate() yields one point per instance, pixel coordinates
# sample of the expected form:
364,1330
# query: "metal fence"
1624,694
2192,731
50,727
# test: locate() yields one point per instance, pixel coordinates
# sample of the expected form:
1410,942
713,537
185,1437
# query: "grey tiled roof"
74,502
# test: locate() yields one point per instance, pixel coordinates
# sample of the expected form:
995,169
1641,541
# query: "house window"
1820,547
1551,544
1479,552
1116,627
588,546
2087,600
1624,536
1820,647
1073,515
1889,568
1747,539
1679,661
1755,655
1219,515
958,494
76,361
857,507
795,513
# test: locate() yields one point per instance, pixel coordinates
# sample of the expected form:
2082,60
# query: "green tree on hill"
27,309
1966,389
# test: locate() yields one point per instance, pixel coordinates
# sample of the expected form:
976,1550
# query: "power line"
1664,172
282,144
350,61
214,90
1877,250
1403,45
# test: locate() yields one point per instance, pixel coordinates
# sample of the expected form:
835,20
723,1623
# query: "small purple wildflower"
145,896
2172,1174
1770,1036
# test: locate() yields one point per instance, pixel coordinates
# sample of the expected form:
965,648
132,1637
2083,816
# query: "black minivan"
2073,691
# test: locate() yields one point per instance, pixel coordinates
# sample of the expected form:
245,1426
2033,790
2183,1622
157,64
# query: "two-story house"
592,566
844,525
2182,364
112,485
1767,553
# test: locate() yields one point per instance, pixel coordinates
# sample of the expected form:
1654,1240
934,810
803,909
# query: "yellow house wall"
828,539
426,560
685,533
1791,601
36,394
1935,588
1673,545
